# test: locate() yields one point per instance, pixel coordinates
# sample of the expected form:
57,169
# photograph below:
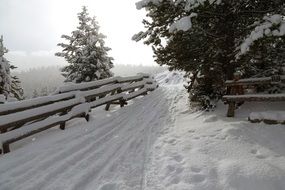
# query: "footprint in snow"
258,155
109,186
253,151
195,169
175,180
178,158
191,131
196,178
170,141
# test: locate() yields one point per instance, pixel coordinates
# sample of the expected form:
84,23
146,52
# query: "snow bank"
206,150
278,116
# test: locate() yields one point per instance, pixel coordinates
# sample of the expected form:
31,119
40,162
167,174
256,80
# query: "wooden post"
62,125
3,130
6,148
122,103
231,109
87,117
109,104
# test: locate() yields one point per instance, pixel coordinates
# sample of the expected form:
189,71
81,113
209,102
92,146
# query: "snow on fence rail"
236,89
21,119
253,81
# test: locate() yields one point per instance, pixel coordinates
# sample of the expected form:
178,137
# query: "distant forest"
42,81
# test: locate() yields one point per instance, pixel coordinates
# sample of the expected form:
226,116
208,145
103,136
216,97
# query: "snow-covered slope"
154,143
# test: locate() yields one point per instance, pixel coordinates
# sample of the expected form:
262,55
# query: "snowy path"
208,151
155,143
103,155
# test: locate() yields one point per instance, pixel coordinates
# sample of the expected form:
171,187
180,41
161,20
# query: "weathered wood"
118,97
7,143
9,111
254,97
255,81
62,125
87,117
236,96
109,104
91,86
100,95
36,117
231,109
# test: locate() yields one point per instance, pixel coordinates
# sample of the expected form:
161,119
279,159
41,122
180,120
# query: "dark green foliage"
208,52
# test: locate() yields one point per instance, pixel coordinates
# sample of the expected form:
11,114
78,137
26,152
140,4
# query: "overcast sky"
32,28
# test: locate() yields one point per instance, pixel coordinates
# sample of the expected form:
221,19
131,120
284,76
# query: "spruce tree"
211,39
9,85
85,52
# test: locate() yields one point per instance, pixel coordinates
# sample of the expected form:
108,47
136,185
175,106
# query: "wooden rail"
21,119
237,96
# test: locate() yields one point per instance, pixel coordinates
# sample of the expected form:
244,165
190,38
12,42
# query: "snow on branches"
183,24
9,85
273,25
189,4
86,52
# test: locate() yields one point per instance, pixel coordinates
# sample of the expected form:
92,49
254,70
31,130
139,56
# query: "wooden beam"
7,143
254,97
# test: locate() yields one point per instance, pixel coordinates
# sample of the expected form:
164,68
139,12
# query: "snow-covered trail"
109,153
154,143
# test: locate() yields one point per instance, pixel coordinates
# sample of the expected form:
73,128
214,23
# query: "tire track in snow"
80,150
121,151
24,175
59,168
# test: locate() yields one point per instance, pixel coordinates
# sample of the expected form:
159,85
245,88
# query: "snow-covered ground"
155,143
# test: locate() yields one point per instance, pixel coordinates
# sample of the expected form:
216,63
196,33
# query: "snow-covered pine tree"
9,85
35,93
85,52
211,39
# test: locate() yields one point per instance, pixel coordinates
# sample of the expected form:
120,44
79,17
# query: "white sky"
32,28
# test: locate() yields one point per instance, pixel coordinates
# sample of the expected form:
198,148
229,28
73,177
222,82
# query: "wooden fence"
22,119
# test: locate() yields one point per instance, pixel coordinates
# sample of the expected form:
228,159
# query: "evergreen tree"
35,93
44,91
86,52
211,39
9,85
